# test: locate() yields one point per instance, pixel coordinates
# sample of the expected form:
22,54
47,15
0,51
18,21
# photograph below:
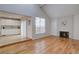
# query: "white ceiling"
52,10
59,10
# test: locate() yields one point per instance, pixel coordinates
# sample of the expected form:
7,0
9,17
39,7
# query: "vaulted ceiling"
59,10
52,10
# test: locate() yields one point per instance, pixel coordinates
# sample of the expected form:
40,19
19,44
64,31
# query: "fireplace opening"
64,34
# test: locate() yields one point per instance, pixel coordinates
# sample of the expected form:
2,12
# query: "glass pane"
37,23
40,25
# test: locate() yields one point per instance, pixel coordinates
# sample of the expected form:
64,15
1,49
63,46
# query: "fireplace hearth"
64,34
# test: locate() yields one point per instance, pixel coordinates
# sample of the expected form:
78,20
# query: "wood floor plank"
48,45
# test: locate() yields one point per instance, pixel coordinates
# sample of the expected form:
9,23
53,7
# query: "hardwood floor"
48,45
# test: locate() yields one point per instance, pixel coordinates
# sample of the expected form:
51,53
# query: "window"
40,25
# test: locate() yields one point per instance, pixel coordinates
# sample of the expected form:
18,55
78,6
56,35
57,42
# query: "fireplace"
64,34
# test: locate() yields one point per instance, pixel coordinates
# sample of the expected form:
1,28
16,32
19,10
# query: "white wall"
0,27
54,27
76,27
